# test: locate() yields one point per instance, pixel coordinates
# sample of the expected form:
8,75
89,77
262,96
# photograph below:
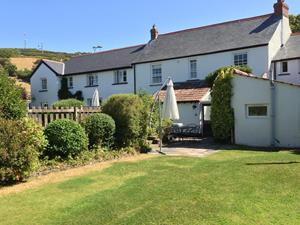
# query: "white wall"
293,75
189,114
257,131
179,69
49,96
105,85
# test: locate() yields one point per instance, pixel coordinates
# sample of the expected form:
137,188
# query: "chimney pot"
154,33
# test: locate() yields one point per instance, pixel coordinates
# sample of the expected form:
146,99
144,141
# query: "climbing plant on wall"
222,117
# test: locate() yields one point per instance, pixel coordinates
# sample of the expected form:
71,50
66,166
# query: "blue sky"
77,25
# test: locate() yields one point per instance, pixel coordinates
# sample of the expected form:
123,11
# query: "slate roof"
291,49
209,39
58,67
239,34
190,91
106,60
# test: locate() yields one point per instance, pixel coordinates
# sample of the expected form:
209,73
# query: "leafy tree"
295,23
64,92
12,106
10,68
221,111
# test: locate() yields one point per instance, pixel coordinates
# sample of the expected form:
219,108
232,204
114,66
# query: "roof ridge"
52,61
217,24
111,50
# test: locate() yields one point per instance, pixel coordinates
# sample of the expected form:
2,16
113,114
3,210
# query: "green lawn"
230,187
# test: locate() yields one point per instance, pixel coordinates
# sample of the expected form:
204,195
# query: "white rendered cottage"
264,43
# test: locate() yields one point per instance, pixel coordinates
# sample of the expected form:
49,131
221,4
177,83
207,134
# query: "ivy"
222,117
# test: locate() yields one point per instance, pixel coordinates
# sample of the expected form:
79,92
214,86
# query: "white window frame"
156,76
92,80
44,86
257,105
240,62
195,72
120,77
70,82
281,67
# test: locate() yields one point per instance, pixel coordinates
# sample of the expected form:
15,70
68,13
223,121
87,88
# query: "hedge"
66,139
68,103
100,129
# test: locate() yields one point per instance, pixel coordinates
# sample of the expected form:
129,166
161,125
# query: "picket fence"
44,116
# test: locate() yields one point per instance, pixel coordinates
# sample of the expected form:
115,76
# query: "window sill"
70,88
153,85
91,86
43,90
284,74
123,83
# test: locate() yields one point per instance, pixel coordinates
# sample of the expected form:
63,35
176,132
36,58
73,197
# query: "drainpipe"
273,109
134,78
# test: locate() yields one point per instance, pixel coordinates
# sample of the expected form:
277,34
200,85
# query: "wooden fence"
44,116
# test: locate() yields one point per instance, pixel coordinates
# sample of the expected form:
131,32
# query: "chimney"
154,33
281,8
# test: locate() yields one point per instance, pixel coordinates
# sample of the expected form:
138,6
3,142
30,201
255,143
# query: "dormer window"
241,59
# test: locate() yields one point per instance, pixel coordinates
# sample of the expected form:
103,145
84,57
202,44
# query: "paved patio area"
193,148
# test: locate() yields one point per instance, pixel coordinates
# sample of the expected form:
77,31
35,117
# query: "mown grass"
230,187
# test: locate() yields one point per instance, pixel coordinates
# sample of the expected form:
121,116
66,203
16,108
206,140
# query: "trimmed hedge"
128,111
21,143
12,106
100,129
66,139
68,103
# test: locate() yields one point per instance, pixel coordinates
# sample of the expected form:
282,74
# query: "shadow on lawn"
272,163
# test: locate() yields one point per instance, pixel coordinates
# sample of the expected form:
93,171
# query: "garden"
26,148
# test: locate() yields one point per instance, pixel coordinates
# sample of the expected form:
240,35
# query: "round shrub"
66,139
100,129
128,112
68,103
12,106
21,143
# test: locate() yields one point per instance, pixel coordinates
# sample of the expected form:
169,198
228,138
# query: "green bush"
128,111
222,118
100,129
12,106
68,103
21,143
210,78
66,139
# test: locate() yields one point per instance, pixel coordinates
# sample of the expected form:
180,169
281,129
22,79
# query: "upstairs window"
44,84
156,74
70,82
284,68
193,68
241,59
92,80
120,77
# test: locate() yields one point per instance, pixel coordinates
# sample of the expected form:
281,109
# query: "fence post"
75,114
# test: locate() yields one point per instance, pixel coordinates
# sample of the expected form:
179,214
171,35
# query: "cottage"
264,43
